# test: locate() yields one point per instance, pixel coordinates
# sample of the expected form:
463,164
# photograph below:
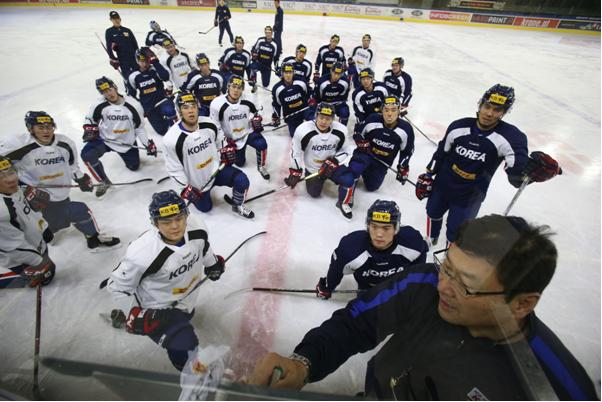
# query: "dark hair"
523,254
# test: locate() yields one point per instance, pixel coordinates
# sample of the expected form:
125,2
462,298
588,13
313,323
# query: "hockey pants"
16,278
364,165
229,176
257,141
61,214
178,337
438,204
341,176
94,150
225,26
162,116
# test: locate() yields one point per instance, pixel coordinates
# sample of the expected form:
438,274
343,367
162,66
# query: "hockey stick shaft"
419,130
93,185
212,28
36,350
127,145
272,191
286,290
523,185
106,50
390,168
286,117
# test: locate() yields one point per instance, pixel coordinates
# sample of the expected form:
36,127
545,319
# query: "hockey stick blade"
161,180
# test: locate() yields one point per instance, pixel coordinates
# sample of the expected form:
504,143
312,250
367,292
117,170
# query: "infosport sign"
132,2
196,3
536,22
581,25
449,16
492,19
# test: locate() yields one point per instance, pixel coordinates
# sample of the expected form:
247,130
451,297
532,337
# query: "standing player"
278,24
368,98
48,159
289,99
121,46
241,124
158,108
459,173
264,52
113,123
384,249
361,58
398,82
193,155
381,138
335,90
157,36
302,67
178,63
222,19
155,281
328,55
205,83
23,235
319,146
236,61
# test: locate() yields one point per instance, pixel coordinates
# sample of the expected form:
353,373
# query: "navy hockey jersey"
333,92
386,143
327,57
149,85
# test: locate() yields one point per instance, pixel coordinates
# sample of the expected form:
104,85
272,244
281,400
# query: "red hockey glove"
312,102
146,321
402,174
424,186
114,63
191,194
228,154
294,177
41,273
328,167
90,132
256,123
321,290
216,270
151,148
84,183
541,167
37,198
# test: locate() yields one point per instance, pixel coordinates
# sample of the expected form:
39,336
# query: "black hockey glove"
215,271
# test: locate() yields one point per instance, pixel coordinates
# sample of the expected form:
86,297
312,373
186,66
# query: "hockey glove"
328,167
402,174
216,270
191,194
362,144
117,318
41,273
403,111
38,199
223,67
146,321
254,56
228,154
90,132
84,183
316,76
149,54
275,120
256,123
321,291
350,62
214,23
541,167
278,71
294,177
47,235
424,186
312,102
114,63
151,148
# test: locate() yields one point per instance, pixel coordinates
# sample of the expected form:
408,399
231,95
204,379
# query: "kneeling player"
290,95
152,285
23,235
48,160
319,146
193,161
372,255
113,124
205,83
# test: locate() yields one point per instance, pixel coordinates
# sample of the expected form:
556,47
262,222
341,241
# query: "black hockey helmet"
238,39
367,72
326,109
301,48
287,67
103,83
382,211
398,60
32,118
184,97
499,95
201,58
335,36
236,80
6,166
366,36
166,42
166,204
337,67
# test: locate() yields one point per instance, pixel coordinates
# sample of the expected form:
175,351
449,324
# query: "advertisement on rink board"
536,22
196,3
581,25
132,2
449,16
492,19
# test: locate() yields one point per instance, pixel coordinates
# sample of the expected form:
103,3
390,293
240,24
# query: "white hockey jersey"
154,274
362,57
21,231
179,67
39,164
311,147
192,157
234,119
118,123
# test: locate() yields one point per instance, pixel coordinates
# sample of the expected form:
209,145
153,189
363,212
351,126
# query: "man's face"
111,94
288,76
489,115
300,55
190,113
390,114
238,46
234,92
205,68
44,133
116,22
221,2
395,68
171,49
365,43
381,234
334,76
334,42
9,181
268,34
366,83
276,4
324,122
473,273
143,64
172,229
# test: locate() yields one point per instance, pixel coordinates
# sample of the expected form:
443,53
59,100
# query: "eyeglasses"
457,283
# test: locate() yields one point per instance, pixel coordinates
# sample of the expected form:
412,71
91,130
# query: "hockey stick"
106,50
161,180
390,168
212,28
93,185
230,201
419,130
285,290
524,184
36,349
128,145
286,117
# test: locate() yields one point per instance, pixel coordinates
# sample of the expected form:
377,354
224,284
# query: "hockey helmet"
103,83
140,53
398,60
301,48
184,97
32,118
154,25
166,204
382,211
335,37
238,39
287,67
367,72
499,95
166,42
236,80
326,109
6,166
201,58
337,68
267,28
391,100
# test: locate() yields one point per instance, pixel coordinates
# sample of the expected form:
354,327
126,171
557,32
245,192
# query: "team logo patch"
499,99
104,86
43,120
5,165
237,81
169,210
188,98
326,111
338,70
302,49
287,68
203,60
390,101
364,74
381,217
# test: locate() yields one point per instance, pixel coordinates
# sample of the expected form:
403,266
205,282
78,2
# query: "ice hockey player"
328,55
113,123
382,137
278,23
158,107
155,281
23,235
178,63
193,155
361,58
289,100
319,146
303,67
384,249
157,36
205,83
236,61
241,125
121,45
368,98
335,90
265,52
222,19
457,177
44,158
398,82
